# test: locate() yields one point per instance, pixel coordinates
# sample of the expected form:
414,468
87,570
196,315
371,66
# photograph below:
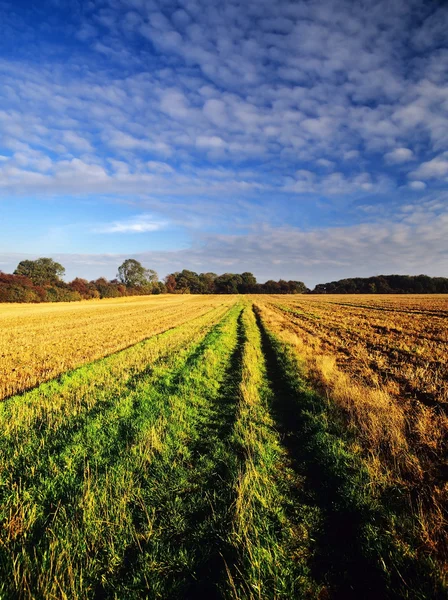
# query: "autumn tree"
170,283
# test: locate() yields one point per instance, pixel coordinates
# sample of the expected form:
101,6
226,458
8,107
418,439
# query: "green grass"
196,464
272,532
365,546
69,492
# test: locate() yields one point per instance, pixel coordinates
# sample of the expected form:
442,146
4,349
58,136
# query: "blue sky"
302,140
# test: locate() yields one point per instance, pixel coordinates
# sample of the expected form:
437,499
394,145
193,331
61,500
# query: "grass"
272,531
67,487
214,460
402,433
39,341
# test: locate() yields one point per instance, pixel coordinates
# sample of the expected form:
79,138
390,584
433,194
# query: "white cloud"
336,184
75,141
175,104
432,169
210,142
159,167
417,185
140,224
323,162
215,110
240,102
399,155
417,244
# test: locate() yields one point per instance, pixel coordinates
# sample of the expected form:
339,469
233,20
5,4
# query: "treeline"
385,284
189,282
41,281
17,288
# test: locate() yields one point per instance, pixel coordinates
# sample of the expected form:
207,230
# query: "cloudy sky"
297,139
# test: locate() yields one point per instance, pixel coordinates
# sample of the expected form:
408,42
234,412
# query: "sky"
303,140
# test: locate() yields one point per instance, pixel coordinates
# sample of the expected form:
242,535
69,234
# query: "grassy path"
188,484
356,551
68,490
333,483
196,464
270,533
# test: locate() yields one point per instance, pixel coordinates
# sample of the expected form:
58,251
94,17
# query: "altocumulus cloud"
284,138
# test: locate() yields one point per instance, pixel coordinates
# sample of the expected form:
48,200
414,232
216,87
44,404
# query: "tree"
297,287
228,283
207,281
170,283
133,274
249,284
41,271
188,282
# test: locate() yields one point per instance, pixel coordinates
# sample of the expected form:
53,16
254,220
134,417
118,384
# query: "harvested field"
383,363
39,342
224,447
399,343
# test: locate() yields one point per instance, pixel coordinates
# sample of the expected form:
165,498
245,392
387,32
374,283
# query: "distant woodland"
41,281
385,284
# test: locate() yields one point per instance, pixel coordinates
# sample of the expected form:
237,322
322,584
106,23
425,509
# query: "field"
243,447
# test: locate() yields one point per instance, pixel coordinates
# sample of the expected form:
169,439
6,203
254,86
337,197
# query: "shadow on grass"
194,502
332,481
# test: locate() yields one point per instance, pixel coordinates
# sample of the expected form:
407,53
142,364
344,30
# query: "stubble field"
224,447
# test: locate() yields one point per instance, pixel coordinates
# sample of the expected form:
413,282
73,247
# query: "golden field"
40,341
383,363
263,446
399,343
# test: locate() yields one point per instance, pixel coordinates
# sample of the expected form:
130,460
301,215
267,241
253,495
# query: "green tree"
133,274
188,282
41,271
228,283
249,284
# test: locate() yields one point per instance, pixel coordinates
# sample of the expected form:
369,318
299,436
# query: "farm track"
339,550
194,464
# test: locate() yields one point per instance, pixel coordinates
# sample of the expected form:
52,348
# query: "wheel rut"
339,560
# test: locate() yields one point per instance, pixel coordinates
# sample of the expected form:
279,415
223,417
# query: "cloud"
223,105
399,155
323,162
416,244
76,141
139,224
432,169
218,91
159,167
336,184
417,185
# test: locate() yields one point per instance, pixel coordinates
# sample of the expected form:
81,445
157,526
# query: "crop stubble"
199,460
39,342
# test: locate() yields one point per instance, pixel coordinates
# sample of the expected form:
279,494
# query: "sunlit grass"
227,456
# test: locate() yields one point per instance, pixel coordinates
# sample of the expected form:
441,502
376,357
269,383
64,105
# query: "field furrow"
38,342
242,448
403,450
58,467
